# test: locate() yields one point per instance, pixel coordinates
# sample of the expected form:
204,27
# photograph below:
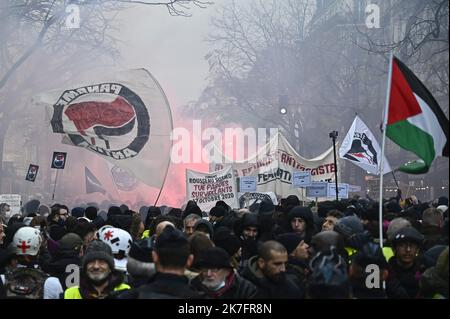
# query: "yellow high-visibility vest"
74,292
145,234
388,253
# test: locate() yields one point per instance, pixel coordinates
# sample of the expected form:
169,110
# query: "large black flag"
93,185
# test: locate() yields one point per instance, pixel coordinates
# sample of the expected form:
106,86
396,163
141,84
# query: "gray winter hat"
98,250
349,226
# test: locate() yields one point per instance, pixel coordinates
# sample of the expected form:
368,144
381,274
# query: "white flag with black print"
361,148
122,116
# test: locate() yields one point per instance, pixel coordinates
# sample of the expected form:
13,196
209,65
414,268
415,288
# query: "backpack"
25,283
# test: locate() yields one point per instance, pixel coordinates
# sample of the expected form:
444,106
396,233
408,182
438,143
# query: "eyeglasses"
63,214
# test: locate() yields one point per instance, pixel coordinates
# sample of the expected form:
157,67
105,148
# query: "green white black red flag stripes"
415,120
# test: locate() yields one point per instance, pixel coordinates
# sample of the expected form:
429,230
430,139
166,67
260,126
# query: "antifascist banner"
123,117
208,188
32,173
274,164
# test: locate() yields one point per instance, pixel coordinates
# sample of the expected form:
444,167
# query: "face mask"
214,287
6,215
61,222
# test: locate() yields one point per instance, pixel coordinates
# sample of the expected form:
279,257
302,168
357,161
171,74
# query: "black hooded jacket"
167,286
57,266
267,289
408,278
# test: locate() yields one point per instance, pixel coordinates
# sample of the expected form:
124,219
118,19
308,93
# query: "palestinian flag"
415,120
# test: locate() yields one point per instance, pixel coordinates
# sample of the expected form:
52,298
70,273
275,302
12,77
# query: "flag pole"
395,179
385,118
162,187
54,187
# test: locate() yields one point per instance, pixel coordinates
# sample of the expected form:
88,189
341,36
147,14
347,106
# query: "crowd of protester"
288,251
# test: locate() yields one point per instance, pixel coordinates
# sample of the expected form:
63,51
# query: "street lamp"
333,135
283,103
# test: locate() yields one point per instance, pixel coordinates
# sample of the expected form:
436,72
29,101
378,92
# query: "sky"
171,48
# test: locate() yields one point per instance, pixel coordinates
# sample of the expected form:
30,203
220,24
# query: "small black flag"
59,160
32,173
92,183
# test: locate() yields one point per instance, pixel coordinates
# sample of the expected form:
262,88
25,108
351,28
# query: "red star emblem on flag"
108,235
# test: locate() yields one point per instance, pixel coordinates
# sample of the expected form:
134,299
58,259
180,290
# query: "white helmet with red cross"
118,239
27,241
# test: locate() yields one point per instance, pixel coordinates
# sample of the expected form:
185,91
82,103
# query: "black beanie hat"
217,211
349,226
91,212
98,250
154,211
77,212
371,213
224,239
224,205
214,257
292,200
192,208
266,207
114,210
289,240
170,236
70,242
